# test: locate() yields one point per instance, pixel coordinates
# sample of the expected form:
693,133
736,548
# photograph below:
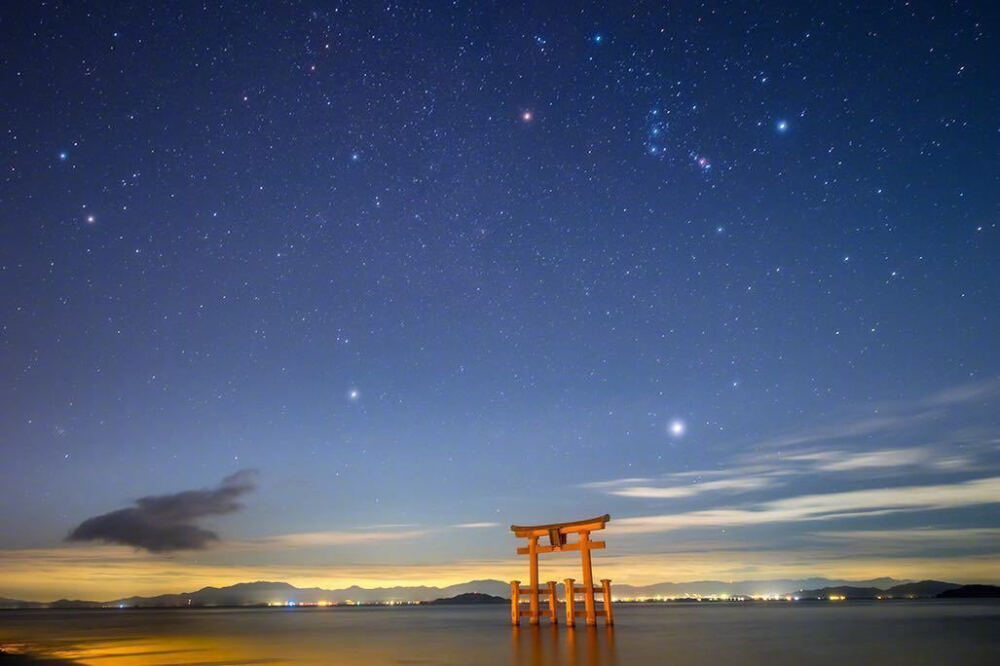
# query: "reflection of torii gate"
557,543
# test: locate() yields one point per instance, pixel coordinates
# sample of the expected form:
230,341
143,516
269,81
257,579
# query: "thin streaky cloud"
329,538
734,485
855,503
388,526
917,534
848,429
840,461
745,470
761,476
964,393
598,485
468,526
897,416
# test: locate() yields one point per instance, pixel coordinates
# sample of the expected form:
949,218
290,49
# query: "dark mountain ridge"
972,592
924,589
280,593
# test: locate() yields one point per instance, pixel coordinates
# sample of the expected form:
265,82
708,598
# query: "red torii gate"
557,533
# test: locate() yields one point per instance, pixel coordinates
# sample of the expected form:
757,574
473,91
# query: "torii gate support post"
515,602
553,603
570,602
533,577
588,579
609,616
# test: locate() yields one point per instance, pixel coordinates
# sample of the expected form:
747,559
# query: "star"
91,219
527,116
353,395
63,156
677,428
781,126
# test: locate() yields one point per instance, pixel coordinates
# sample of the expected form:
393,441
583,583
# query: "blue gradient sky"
433,266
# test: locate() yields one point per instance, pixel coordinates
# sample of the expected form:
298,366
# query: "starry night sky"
727,271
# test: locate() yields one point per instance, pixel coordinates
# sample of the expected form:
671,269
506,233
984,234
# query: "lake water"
888,632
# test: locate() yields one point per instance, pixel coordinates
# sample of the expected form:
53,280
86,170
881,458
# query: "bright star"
353,395
781,125
91,219
677,428
598,38
63,156
527,116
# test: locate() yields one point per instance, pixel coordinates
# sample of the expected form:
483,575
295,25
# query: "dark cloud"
165,523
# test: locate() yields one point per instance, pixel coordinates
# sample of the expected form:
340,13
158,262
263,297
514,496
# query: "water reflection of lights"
557,644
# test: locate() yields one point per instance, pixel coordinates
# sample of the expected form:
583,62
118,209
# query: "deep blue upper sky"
444,264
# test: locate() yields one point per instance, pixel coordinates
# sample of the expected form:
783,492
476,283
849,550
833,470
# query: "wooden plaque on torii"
557,533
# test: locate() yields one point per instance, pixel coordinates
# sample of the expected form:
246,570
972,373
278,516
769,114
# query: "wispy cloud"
328,538
834,448
962,535
363,535
964,393
892,417
837,460
733,485
613,483
846,429
856,503
472,526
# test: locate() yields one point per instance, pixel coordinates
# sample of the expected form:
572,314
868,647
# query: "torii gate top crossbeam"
587,525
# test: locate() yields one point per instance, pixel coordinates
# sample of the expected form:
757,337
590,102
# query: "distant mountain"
19,659
469,598
971,591
74,603
17,603
754,588
264,592
273,592
270,592
924,588
842,591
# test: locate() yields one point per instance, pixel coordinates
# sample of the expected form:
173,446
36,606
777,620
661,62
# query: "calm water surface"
931,632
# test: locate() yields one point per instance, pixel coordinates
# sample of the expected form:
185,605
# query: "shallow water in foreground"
896,632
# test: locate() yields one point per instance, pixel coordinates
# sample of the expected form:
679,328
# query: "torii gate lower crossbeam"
557,533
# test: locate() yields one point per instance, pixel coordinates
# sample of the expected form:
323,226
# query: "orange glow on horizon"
109,572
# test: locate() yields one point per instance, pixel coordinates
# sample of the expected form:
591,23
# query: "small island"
971,592
467,599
